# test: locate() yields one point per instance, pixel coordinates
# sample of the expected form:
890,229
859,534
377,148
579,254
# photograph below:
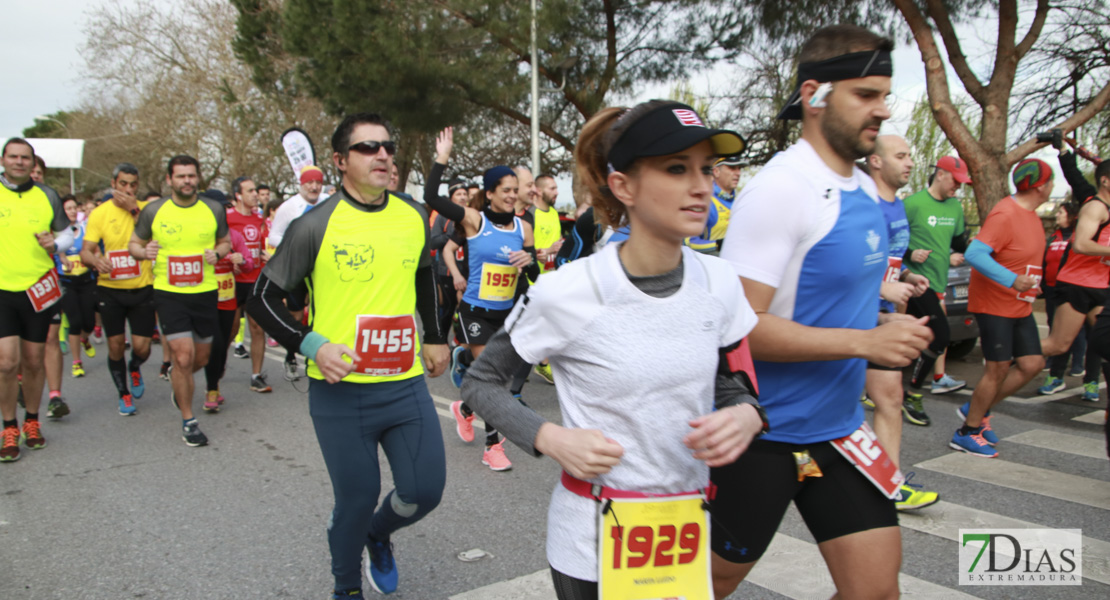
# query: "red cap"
955,166
311,173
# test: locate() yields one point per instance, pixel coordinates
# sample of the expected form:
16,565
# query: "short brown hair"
836,40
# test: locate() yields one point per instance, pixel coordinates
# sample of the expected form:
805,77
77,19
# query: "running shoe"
271,342
78,369
290,368
457,368
240,351
1090,391
98,335
947,385
88,348
156,338
545,372
985,424
219,398
127,406
912,497
1052,385
355,594
212,402
32,434
63,346
9,448
258,384
137,385
494,457
914,410
464,426
973,444
1077,372
192,435
164,372
381,569
57,408
866,401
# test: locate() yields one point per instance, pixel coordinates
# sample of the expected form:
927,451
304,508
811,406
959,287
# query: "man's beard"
845,139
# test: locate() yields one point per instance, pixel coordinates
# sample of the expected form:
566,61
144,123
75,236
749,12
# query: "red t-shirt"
253,228
1017,237
1084,269
1053,254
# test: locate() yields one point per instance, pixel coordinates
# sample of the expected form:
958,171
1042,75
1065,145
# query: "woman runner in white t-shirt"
646,338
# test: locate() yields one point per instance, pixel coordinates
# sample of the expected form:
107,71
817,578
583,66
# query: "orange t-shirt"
1017,238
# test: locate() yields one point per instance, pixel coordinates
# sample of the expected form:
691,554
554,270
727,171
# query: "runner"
35,227
499,249
937,239
588,236
364,253
726,176
1081,285
549,239
442,232
228,309
1006,260
890,165
813,280
246,218
632,420
312,184
189,234
78,298
1055,250
124,288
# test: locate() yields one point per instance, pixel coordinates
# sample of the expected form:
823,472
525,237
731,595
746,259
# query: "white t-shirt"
635,367
292,208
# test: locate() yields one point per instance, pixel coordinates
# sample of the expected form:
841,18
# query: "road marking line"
1062,442
1072,488
1097,417
944,520
534,586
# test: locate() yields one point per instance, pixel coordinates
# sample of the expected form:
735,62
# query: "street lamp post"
535,99
72,179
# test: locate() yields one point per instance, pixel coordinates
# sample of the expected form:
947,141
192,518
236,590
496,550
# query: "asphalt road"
119,507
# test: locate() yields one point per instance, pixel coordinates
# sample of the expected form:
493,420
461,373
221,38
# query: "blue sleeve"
979,256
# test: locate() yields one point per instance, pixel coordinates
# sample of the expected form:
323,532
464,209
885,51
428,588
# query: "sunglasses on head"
371,148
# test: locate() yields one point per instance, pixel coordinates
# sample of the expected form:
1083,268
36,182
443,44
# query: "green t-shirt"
933,224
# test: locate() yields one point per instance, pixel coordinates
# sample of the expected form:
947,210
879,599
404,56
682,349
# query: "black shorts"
1004,338
181,315
479,324
79,303
18,317
874,367
243,293
1081,298
754,492
121,307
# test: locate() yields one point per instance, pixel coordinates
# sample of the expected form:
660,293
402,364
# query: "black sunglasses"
371,148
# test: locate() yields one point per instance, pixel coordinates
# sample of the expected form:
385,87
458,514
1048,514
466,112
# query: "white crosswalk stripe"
1061,442
1015,476
1097,417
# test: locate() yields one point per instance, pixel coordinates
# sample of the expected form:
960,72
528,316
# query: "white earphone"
818,99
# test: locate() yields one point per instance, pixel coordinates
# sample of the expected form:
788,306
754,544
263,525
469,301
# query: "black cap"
217,195
667,129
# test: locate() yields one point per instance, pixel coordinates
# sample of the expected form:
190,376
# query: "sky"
49,79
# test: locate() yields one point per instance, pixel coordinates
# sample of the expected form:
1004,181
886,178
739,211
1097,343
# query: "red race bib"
893,269
862,449
185,271
124,266
45,292
385,345
1030,295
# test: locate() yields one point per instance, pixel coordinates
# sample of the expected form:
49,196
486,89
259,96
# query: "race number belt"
650,546
893,269
185,271
862,449
76,267
1036,272
498,282
384,345
225,283
124,266
45,292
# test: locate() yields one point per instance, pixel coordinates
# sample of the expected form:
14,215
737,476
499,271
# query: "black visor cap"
669,129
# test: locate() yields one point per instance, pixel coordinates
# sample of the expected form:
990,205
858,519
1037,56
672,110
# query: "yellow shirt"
183,234
113,225
23,214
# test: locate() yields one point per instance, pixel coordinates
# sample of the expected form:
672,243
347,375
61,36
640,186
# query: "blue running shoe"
353,594
457,368
1052,385
946,385
381,570
985,424
137,385
126,406
973,444
1090,391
